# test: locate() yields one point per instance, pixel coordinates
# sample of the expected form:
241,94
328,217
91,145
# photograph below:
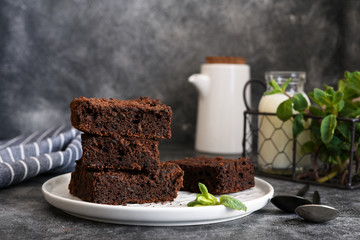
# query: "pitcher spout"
201,82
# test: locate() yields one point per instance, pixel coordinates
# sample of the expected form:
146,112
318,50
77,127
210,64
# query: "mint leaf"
233,203
300,102
204,201
214,199
327,128
204,190
194,204
284,110
207,199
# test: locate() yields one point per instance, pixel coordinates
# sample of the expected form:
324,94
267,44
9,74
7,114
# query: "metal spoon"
315,212
289,203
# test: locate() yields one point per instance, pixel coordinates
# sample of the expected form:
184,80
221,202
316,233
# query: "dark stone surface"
24,214
53,51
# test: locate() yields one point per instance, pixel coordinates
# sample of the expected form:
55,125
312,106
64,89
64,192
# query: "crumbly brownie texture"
124,187
119,153
219,175
140,118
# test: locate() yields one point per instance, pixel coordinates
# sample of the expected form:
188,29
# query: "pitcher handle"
244,91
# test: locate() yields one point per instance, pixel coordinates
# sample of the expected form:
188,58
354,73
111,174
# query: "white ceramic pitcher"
220,117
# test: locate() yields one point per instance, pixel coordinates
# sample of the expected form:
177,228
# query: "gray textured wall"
53,51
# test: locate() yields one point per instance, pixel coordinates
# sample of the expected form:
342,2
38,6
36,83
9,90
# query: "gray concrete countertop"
25,214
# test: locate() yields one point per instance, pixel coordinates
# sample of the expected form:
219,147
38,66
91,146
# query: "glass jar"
275,138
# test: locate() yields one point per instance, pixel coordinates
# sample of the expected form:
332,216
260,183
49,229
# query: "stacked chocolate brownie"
121,161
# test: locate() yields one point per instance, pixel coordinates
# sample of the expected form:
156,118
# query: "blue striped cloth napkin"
51,151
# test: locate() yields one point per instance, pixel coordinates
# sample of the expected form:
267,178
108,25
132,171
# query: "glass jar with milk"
275,137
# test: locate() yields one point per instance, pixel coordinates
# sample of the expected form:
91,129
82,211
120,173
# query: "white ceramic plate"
174,213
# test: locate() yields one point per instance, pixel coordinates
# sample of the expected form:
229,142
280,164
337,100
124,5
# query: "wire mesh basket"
269,142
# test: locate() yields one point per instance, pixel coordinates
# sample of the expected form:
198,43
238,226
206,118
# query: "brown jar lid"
221,59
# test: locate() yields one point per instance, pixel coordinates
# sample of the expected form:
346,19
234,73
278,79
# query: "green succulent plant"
331,128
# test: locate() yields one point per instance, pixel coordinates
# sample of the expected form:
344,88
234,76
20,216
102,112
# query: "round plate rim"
215,214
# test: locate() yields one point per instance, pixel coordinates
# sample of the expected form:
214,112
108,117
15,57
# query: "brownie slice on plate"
219,175
122,187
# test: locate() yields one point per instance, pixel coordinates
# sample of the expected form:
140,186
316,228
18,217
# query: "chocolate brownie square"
140,118
122,187
119,153
219,175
